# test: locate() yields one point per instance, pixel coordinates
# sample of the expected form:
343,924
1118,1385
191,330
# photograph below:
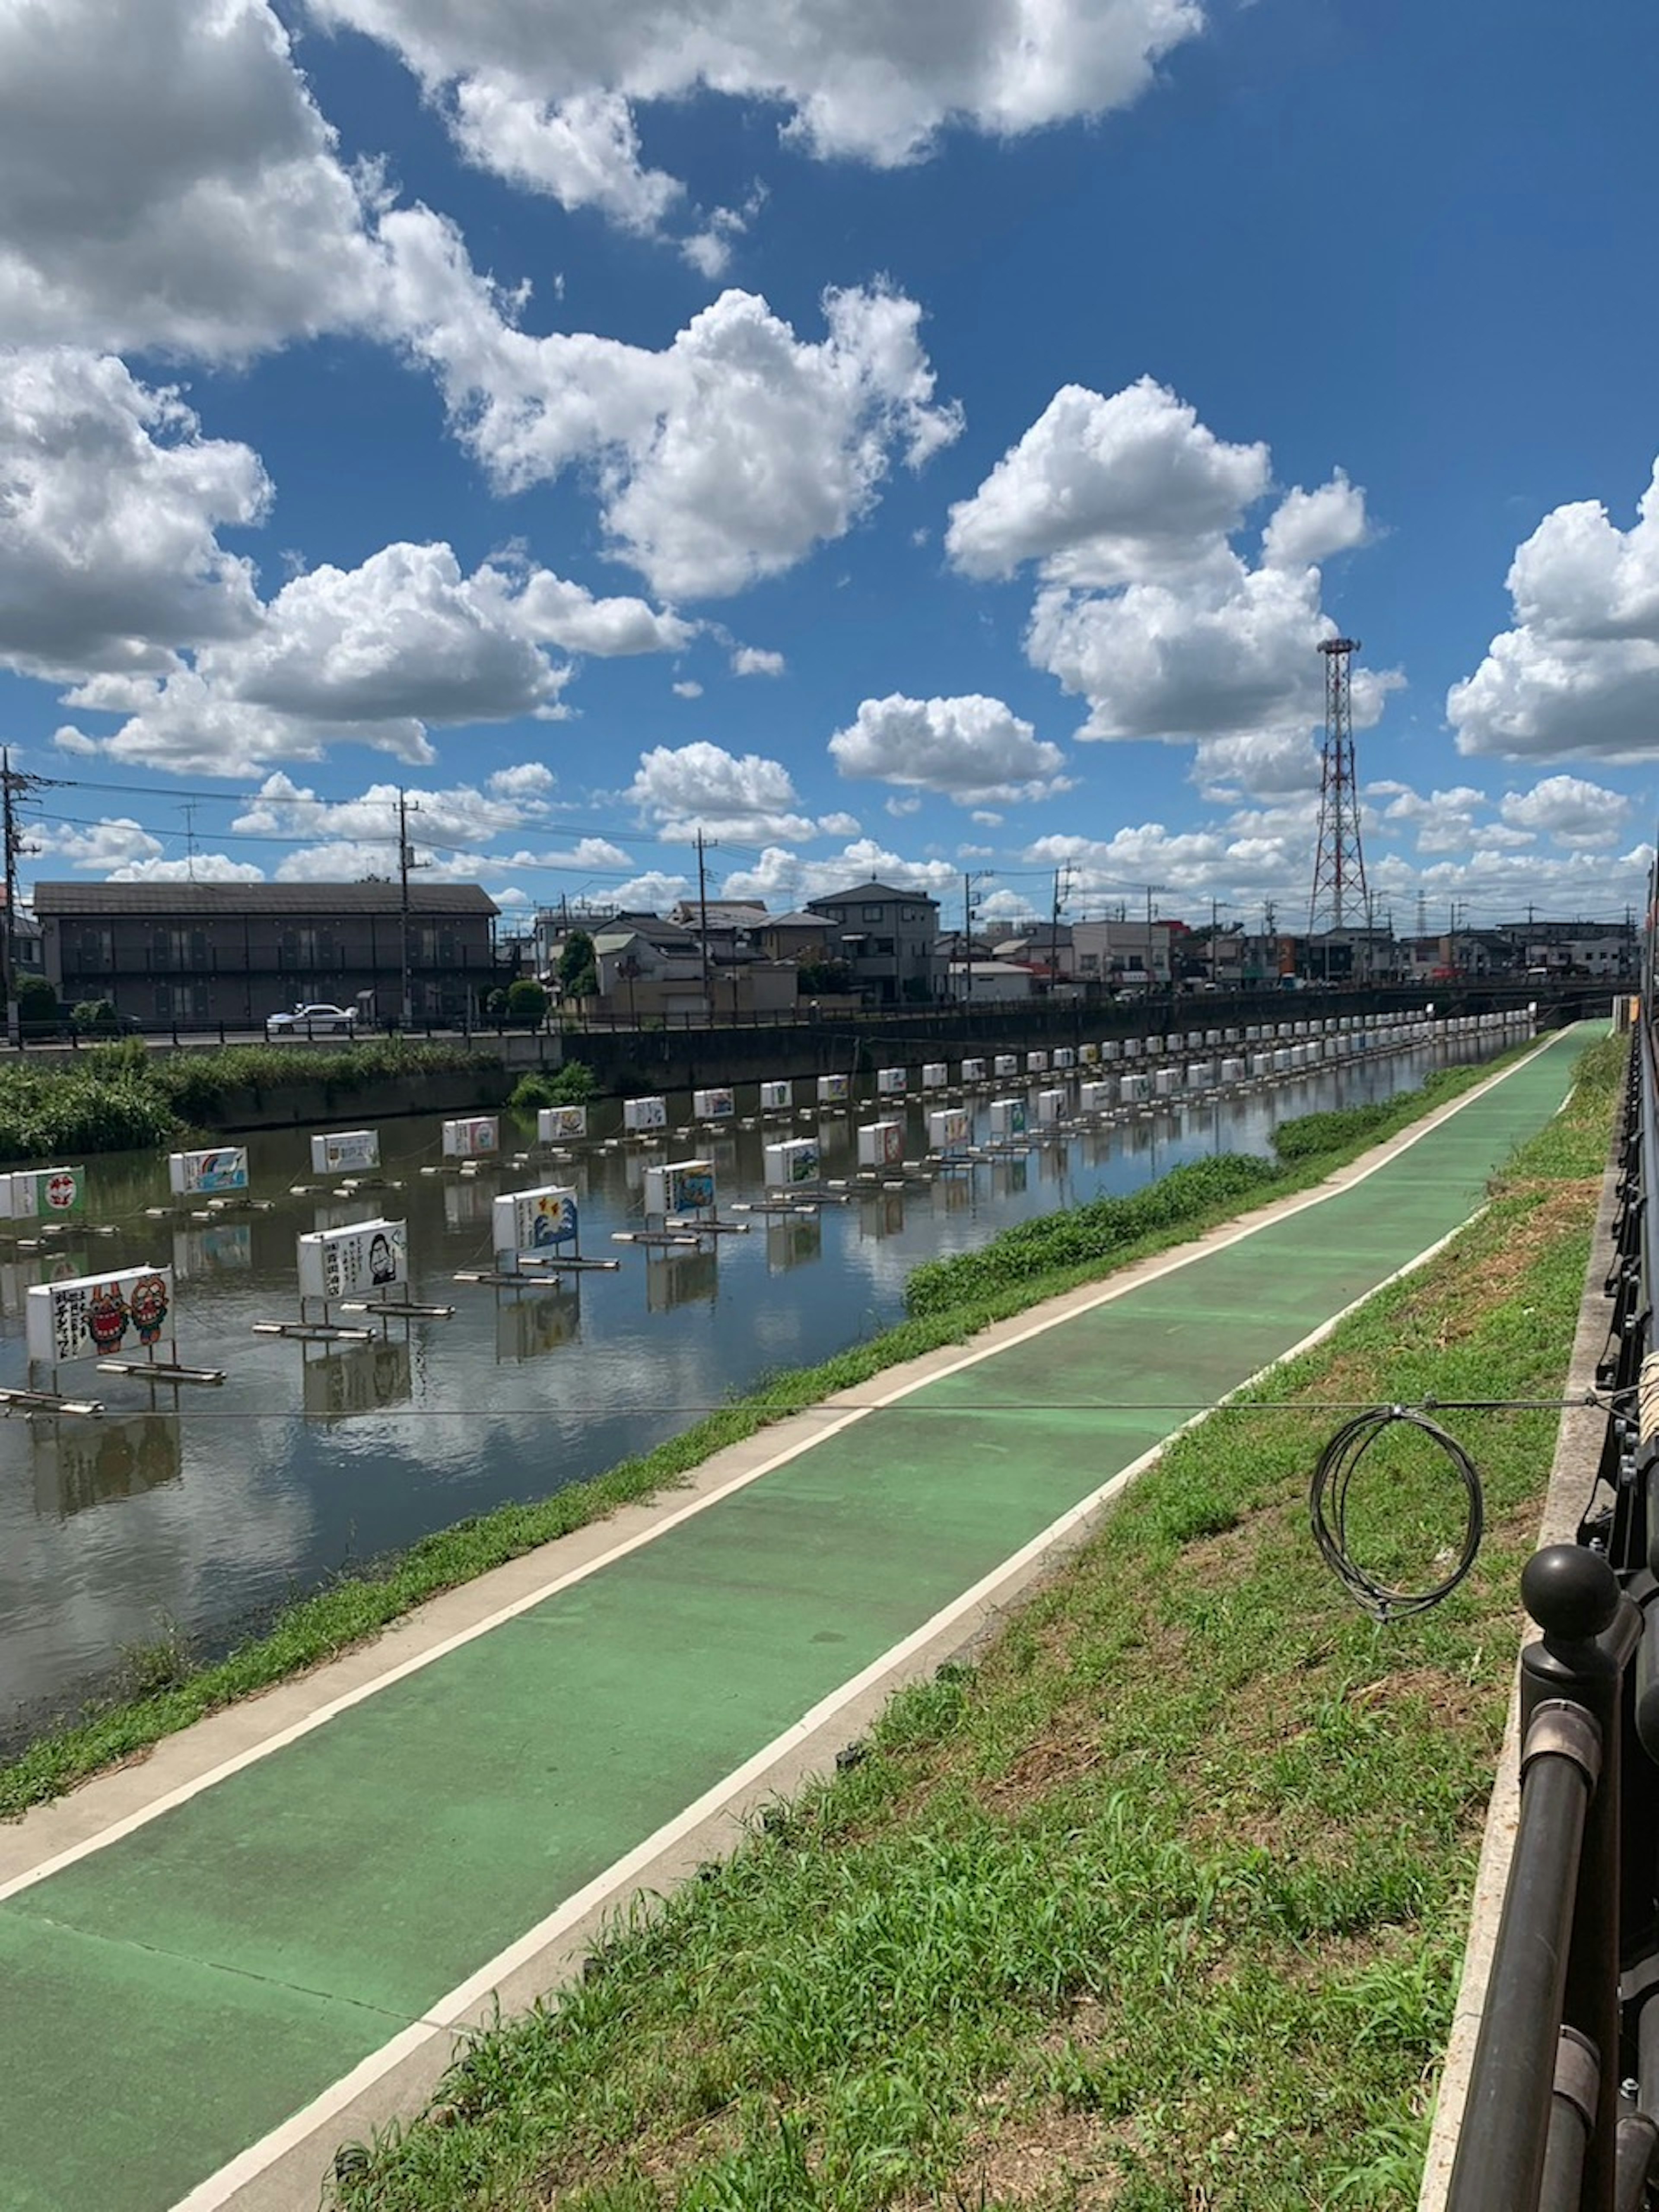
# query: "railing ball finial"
1572,1593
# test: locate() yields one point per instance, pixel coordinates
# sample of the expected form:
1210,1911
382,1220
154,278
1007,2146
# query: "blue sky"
896,436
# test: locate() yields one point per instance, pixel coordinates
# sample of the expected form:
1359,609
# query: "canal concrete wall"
314,1105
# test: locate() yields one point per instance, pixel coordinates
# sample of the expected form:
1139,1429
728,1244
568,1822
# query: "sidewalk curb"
1577,1450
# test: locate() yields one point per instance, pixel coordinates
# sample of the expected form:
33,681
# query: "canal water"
311,1459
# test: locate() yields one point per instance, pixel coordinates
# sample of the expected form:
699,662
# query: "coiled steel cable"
1327,1505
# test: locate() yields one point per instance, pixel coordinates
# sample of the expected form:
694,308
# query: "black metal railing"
1562,2112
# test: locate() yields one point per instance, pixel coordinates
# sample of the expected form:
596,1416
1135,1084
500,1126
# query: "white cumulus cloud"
972,748
1571,810
725,458
757,660
680,789
1577,676
1128,508
375,655
167,182
109,559
858,79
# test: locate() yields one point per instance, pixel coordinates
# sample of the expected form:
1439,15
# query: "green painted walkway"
171,1998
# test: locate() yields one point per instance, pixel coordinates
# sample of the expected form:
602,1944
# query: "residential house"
235,953
888,938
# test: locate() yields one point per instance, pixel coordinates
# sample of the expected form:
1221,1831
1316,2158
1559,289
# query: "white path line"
608,1888
1169,1263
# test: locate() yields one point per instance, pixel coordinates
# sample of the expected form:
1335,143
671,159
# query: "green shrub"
573,1084
37,1003
526,1002
1092,1231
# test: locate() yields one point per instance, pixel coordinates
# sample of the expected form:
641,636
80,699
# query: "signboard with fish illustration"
795,1162
682,1186
556,1125
640,1114
224,1168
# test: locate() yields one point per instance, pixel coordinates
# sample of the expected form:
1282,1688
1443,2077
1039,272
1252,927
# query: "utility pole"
406,861
1062,892
14,786
702,923
188,810
969,878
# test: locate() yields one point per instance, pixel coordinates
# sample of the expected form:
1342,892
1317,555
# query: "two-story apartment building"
890,939
238,952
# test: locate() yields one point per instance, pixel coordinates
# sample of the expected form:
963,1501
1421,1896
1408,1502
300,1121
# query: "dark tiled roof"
167,900
872,891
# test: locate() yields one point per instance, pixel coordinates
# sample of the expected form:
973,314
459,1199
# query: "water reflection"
303,1462
79,1464
528,1324
339,1380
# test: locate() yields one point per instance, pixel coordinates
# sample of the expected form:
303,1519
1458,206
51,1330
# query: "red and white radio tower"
1339,883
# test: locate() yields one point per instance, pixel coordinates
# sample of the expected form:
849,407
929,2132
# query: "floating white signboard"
682,1186
1006,1063
128,1310
1094,1097
973,1071
555,1124
1050,1105
890,1081
796,1161
369,1257
1088,1054
345,1151
776,1098
1065,1057
948,1128
544,1220
1008,1117
31,1192
719,1105
473,1138
834,1090
225,1168
640,1114
934,1075
881,1144
1036,1063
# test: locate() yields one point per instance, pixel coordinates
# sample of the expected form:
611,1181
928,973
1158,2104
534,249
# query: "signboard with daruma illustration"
369,1257
94,1316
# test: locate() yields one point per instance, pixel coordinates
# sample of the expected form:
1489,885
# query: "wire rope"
1333,1477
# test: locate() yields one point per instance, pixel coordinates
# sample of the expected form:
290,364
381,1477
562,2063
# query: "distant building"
890,939
1109,951
991,982
236,952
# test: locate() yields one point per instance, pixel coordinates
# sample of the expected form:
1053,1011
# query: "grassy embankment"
1159,1905
122,1097
167,1689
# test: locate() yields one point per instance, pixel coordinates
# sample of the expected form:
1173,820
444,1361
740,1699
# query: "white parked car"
313,1021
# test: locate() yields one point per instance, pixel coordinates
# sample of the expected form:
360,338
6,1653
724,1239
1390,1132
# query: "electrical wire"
1333,1477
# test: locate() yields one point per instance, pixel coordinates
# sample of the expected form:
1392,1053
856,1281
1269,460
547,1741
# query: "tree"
37,1003
526,1001
578,967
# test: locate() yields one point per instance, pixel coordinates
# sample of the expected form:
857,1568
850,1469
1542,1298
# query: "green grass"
124,1098
1158,1905
358,1604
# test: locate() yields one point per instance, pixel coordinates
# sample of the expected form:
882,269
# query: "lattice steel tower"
1339,883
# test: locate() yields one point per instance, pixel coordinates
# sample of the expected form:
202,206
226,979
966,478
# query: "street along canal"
116,1530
